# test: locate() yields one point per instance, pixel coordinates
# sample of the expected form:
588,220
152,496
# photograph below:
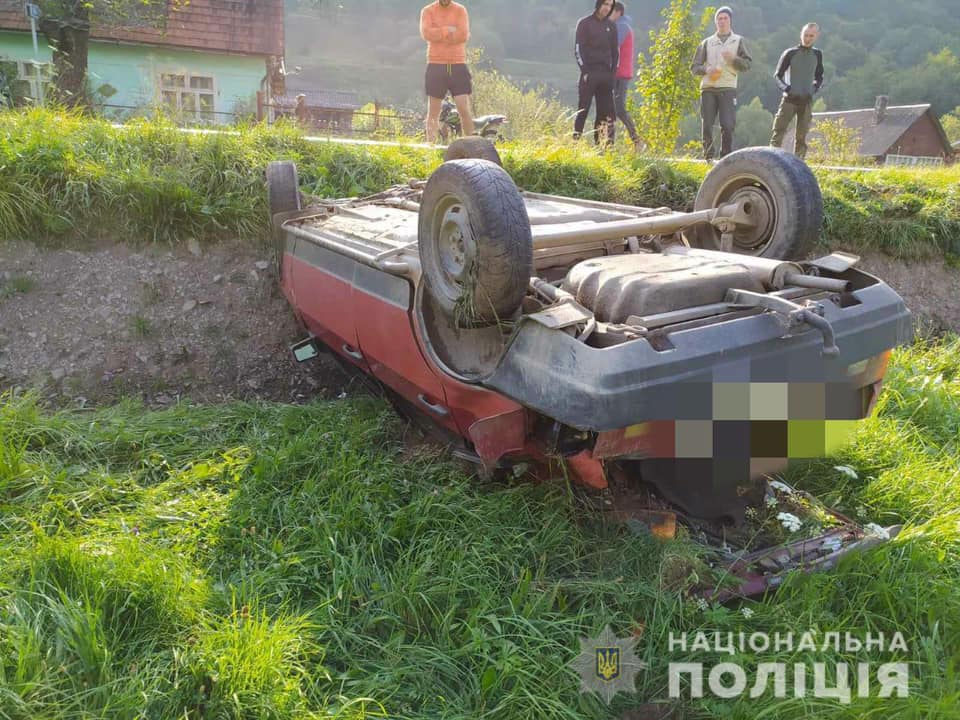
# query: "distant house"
892,134
330,110
212,60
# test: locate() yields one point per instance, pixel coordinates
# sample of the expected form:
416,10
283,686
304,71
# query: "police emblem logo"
608,665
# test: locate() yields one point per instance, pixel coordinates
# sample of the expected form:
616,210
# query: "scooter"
487,126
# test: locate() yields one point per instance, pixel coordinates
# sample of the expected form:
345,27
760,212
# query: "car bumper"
700,377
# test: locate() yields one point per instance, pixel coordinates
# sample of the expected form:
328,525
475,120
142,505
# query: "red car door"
381,305
322,282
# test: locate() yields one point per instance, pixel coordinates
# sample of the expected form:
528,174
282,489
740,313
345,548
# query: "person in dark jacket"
799,76
718,62
598,55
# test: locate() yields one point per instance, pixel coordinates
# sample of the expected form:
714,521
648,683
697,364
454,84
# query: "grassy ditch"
273,561
65,176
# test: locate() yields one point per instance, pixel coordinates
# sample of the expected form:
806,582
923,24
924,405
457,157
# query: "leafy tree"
66,24
934,81
951,124
754,125
831,140
844,55
666,89
860,87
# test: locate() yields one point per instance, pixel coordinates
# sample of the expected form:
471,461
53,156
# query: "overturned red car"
669,362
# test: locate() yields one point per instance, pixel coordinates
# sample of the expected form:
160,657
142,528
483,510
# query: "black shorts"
440,79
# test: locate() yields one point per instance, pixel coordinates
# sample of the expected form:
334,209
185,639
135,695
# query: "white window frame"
40,78
894,160
180,91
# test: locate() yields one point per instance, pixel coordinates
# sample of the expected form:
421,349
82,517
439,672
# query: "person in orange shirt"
445,26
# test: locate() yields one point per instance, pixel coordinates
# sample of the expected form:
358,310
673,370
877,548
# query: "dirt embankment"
95,324
931,289
91,325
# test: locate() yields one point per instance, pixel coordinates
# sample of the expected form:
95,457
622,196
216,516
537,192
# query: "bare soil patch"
931,289
93,324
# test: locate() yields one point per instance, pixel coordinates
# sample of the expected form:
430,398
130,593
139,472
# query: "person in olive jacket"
598,55
799,76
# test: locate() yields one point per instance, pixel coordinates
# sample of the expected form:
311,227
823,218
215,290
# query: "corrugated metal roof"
319,98
247,27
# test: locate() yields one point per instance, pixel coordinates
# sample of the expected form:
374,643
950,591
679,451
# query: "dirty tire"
283,191
785,199
472,147
283,196
475,242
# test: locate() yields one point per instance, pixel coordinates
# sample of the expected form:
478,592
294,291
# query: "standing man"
799,76
445,26
300,111
624,74
719,60
598,55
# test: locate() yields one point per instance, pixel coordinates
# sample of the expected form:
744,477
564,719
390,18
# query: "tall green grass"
268,561
68,176
72,176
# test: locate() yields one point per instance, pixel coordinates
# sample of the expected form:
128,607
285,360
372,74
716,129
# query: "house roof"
246,27
877,139
325,99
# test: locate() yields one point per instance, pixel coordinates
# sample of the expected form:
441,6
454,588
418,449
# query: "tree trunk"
69,37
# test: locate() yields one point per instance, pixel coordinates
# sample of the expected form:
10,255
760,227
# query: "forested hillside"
909,50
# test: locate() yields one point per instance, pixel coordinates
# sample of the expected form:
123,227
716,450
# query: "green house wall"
133,72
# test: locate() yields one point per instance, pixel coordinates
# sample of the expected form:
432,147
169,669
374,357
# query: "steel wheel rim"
759,204
454,241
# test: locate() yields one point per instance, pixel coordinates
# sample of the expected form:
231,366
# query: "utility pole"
32,11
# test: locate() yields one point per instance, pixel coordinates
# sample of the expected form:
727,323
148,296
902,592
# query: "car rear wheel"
283,196
475,242
784,199
472,147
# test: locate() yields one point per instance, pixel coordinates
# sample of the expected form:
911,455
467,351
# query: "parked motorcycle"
487,126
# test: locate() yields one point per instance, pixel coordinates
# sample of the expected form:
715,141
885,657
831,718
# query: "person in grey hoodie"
799,76
718,61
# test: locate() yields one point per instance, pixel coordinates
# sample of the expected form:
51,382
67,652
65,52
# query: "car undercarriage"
669,364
